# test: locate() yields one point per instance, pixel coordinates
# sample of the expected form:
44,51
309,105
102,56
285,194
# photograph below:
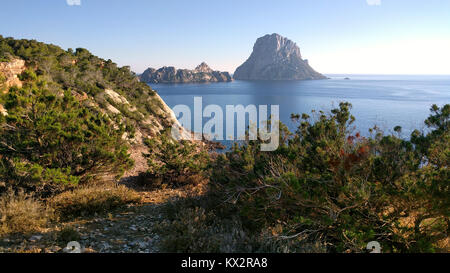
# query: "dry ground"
130,229
126,230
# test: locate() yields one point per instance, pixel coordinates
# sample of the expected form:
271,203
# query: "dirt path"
126,230
130,229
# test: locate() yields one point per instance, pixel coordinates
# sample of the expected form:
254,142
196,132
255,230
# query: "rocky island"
275,57
201,74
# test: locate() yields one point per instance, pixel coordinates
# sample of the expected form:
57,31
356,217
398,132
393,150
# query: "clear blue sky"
337,36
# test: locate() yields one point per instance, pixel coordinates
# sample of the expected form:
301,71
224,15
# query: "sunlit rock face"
10,71
275,57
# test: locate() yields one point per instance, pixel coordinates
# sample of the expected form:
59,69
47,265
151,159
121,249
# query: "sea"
384,101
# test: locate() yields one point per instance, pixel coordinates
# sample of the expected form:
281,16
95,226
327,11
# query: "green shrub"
329,184
68,234
2,83
49,142
28,76
2,79
174,162
207,225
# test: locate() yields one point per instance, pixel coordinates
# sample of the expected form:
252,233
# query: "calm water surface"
385,101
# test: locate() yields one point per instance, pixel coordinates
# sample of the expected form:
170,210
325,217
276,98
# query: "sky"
336,36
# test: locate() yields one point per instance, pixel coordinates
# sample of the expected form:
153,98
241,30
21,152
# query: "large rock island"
275,57
201,74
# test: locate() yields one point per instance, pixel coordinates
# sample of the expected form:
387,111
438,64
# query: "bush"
21,213
50,142
193,230
90,200
28,75
68,234
174,163
207,225
328,184
2,79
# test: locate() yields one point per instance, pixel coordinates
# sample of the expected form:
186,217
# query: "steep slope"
201,74
276,58
99,83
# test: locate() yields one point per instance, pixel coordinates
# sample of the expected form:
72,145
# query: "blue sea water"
385,101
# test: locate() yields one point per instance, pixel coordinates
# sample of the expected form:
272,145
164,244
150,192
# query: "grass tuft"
21,213
91,200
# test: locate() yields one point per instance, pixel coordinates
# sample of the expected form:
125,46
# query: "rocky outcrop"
8,77
3,111
112,103
201,74
9,71
203,68
276,58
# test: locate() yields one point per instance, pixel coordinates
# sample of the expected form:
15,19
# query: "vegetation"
174,163
49,141
325,183
68,234
2,82
57,139
91,200
83,73
21,213
207,225
325,188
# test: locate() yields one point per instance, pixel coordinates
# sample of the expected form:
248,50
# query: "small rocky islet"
169,74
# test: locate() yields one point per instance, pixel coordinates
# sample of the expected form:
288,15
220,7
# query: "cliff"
9,72
201,74
276,58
